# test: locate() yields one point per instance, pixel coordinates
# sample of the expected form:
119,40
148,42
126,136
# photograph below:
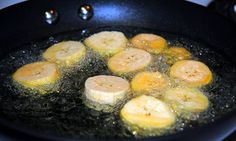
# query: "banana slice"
175,54
37,74
186,100
193,73
66,53
149,83
150,42
146,115
107,43
130,60
105,90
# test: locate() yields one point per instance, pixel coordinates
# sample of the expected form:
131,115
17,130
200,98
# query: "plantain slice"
66,53
149,42
192,73
130,60
107,43
37,75
147,115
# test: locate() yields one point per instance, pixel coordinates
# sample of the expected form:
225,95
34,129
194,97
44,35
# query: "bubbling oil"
63,112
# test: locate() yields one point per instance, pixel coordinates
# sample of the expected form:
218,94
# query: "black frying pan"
24,25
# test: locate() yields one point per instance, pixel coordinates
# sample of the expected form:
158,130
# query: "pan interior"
64,114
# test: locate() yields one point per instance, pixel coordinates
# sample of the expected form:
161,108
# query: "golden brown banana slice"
186,100
107,43
146,115
175,54
129,60
37,74
66,53
193,73
153,83
150,42
106,90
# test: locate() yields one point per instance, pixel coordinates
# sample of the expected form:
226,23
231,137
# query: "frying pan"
26,23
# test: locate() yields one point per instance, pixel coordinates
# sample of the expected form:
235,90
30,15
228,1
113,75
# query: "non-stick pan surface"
24,25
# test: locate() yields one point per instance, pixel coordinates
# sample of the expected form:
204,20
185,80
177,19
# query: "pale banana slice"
105,89
150,83
149,42
193,73
147,113
66,53
129,60
107,43
37,74
186,100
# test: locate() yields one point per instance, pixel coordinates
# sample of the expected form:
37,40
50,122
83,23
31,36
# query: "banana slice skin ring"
147,115
40,76
104,92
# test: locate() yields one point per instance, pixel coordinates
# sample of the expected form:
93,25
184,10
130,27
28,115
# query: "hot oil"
64,113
